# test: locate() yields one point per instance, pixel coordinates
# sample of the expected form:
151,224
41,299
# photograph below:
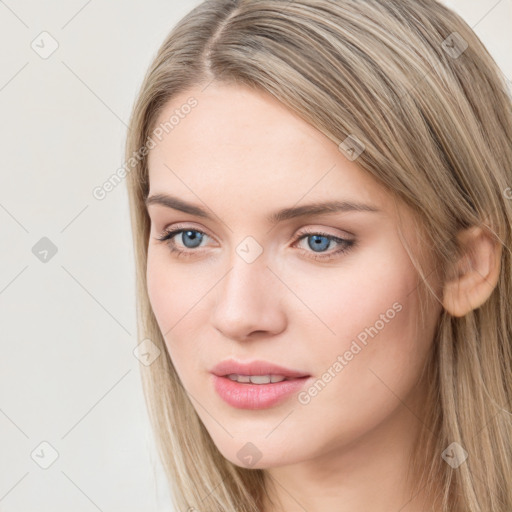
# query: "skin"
348,449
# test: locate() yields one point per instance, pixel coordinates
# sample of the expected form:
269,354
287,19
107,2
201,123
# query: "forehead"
245,145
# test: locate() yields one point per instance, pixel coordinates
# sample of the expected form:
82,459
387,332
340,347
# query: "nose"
249,301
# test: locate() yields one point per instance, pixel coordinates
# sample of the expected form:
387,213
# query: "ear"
475,274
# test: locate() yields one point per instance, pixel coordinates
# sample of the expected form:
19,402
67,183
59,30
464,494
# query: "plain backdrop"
74,433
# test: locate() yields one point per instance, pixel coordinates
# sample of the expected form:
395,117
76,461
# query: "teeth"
260,379
256,379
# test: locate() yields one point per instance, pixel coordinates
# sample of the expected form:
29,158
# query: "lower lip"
256,396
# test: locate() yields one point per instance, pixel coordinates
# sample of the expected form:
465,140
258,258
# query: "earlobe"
475,275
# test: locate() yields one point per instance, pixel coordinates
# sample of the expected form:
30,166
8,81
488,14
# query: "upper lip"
231,366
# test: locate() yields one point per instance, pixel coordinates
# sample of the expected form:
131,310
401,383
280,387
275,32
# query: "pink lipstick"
255,385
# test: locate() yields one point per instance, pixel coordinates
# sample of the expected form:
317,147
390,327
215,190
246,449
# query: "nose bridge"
248,297
248,280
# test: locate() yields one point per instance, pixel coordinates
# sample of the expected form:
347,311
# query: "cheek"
172,290
353,296
177,294
372,311
382,354
160,286
381,365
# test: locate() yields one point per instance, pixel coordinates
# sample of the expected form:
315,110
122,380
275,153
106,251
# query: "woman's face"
329,295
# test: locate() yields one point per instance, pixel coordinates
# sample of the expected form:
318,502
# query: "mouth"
256,385
248,395
259,379
257,372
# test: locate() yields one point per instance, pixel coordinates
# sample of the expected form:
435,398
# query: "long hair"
412,82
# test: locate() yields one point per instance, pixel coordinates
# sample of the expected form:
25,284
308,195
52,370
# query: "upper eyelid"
181,228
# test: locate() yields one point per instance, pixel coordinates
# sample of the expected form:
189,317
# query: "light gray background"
68,375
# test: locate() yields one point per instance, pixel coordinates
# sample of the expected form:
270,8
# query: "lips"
230,366
256,395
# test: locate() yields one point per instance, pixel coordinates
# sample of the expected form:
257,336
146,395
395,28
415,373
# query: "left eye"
322,241
318,241
192,238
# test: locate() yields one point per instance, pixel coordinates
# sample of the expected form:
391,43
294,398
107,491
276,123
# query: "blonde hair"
411,81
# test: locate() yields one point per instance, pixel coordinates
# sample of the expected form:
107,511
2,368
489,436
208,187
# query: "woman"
321,209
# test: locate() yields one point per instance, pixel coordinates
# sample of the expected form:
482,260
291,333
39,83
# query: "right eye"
189,236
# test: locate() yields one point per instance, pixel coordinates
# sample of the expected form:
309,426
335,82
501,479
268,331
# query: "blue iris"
317,244
196,238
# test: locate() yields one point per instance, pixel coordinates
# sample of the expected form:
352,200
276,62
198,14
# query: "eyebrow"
329,207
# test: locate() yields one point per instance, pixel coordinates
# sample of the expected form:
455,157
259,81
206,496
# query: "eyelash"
167,236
